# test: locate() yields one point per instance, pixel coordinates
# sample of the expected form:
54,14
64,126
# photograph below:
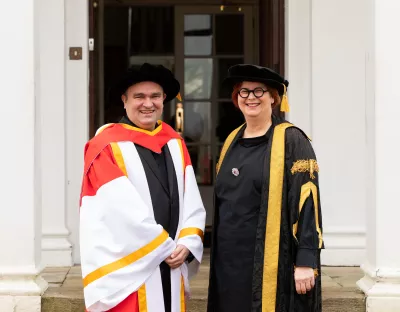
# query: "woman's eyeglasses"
258,92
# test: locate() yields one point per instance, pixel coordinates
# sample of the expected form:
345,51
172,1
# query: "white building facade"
342,61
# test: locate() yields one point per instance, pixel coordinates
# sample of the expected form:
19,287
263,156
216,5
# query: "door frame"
92,67
265,30
263,53
250,54
181,2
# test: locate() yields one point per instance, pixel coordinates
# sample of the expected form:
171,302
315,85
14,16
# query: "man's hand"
177,257
304,278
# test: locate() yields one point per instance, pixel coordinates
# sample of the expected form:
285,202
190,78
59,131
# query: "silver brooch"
235,172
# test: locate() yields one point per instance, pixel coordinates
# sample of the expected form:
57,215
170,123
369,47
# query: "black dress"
238,195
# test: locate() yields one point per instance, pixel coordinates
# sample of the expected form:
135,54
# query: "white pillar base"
21,293
56,251
20,303
381,288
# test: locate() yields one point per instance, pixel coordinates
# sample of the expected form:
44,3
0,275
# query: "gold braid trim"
309,189
305,165
273,224
226,146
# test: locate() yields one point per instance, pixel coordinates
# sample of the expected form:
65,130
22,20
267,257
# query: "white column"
381,282
20,182
298,62
56,249
338,122
325,66
77,107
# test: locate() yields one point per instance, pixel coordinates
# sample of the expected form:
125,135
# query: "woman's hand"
304,278
177,257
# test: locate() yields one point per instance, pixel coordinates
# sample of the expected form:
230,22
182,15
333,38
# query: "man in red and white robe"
141,215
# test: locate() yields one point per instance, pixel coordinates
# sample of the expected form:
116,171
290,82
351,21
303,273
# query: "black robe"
287,228
161,176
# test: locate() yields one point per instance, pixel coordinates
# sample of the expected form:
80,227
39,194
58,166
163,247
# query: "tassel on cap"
179,97
285,103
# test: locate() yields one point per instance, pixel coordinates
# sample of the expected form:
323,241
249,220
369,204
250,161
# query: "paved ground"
339,290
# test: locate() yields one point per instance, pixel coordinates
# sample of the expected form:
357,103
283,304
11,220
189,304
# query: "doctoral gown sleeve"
304,198
193,217
121,244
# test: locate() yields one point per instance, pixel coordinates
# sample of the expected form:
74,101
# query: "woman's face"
254,100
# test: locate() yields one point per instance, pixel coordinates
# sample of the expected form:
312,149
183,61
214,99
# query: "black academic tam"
147,72
248,72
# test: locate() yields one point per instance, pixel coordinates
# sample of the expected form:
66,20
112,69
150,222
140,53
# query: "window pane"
223,66
152,30
197,123
169,113
198,78
198,35
229,118
116,27
233,25
200,156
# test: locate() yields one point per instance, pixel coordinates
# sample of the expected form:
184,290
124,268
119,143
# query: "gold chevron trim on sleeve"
191,231
125,261
307,190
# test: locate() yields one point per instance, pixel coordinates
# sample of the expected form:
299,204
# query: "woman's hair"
274,93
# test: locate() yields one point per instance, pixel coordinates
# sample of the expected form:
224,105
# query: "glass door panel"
197,128
198,78
229,32
207,42
229,118
198,34
223,66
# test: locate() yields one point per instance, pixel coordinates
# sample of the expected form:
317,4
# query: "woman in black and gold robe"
267,229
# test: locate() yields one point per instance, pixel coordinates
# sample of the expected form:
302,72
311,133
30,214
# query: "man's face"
143,103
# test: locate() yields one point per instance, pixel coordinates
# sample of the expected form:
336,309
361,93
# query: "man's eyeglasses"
258,92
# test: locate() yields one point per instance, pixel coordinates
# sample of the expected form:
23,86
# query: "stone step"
339,291
333,302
